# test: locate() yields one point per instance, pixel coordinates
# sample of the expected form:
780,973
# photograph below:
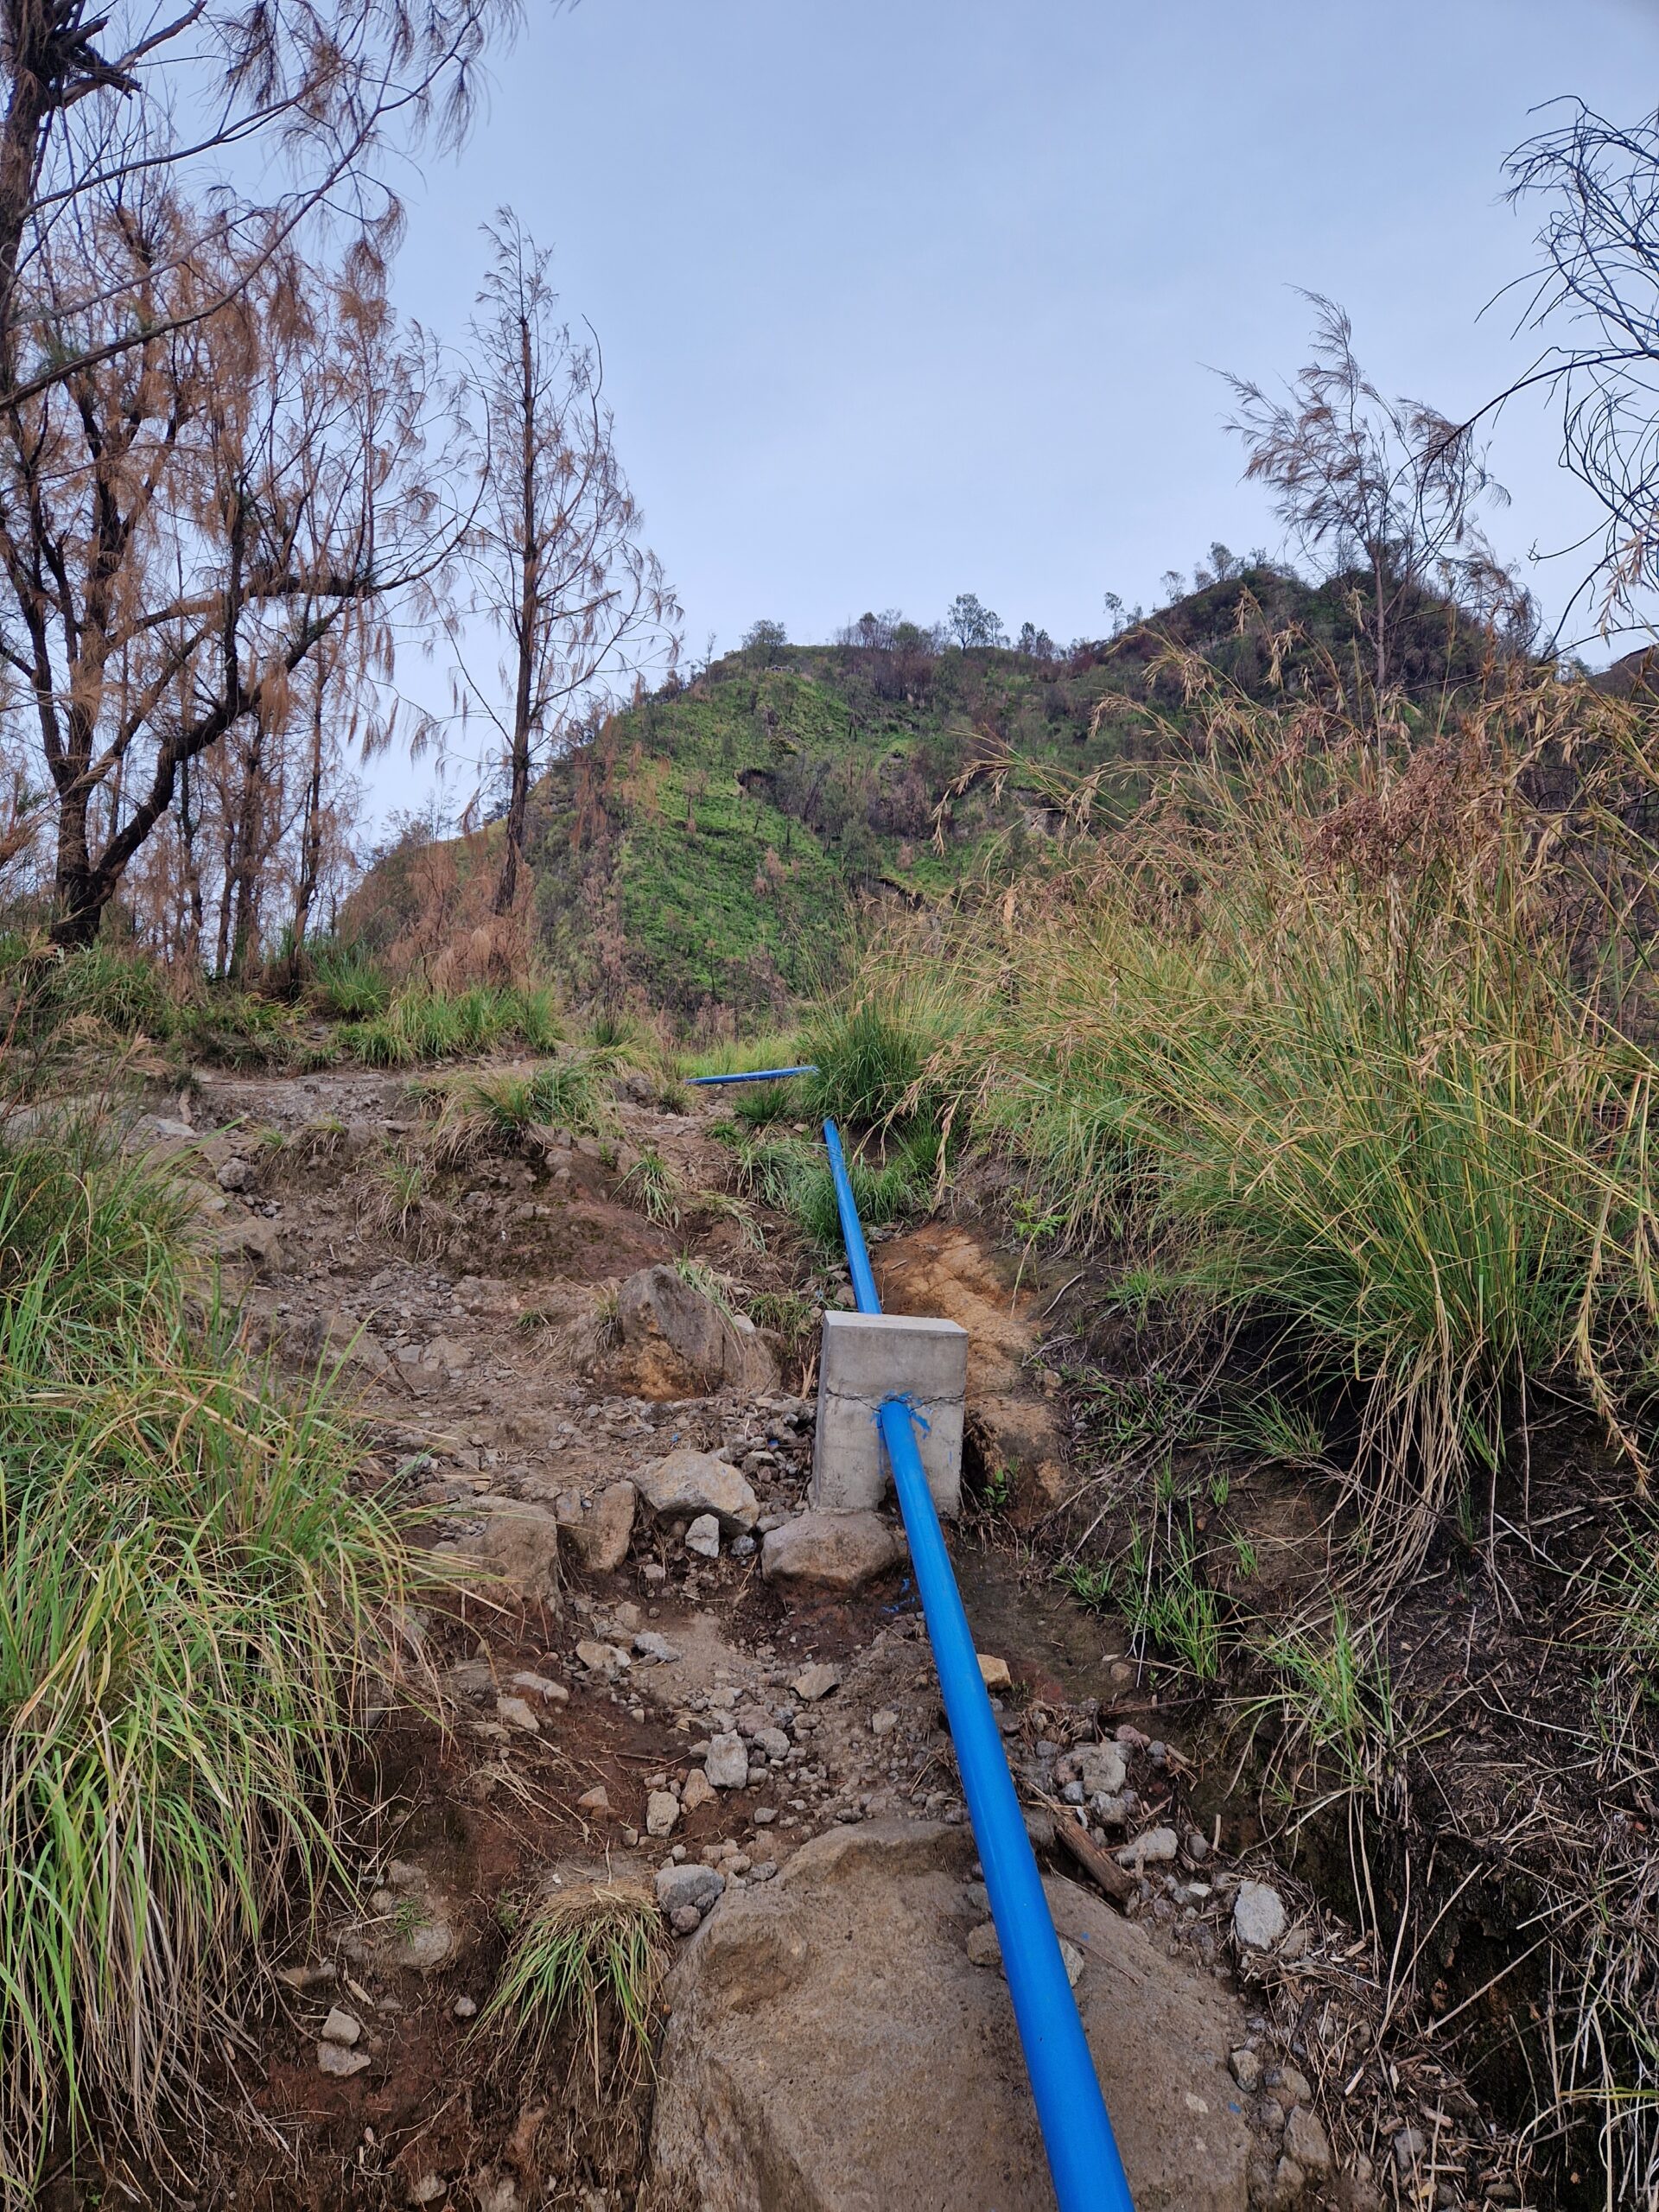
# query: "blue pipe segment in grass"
852,1229
754,1075
1083,2155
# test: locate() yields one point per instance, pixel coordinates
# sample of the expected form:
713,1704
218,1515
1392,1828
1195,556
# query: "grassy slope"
714,847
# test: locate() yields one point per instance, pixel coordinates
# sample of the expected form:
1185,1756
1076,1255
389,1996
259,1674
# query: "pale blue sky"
904,299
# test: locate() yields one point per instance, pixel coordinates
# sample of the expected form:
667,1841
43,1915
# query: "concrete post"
866,1359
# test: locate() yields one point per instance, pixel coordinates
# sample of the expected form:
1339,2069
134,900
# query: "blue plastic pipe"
754,1075
867,1297
1082,2156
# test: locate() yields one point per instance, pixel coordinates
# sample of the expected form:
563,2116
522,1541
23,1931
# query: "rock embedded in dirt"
1305,2140
684,1485
1246,2069
595,1800
251,1240
816,1682
698,1791
1102,1768
514,1713
601,1528
236,1174
333,2058
831,1551
518,1544
1153,1847
608,1660
677,1344
1259,1916
341,2027
993,1673
658,1649
694,1888
662,1813
727,1766
308,1977
759,2077
540,1686
703,1537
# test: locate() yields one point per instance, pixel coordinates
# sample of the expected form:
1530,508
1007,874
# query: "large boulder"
833,2048
677,1344
685,1484
829,1551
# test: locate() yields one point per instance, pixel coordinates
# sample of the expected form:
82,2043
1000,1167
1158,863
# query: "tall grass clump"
1368,1044
419,1024
193,1594
346,983
588,1962
494,1109
875,1049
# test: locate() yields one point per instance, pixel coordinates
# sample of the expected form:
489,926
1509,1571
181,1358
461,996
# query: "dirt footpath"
575,1395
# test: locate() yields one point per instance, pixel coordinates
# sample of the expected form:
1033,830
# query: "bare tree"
306,96
558,566
1598,287
184,522
1384,489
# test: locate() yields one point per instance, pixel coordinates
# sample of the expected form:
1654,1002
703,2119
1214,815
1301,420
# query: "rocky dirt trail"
666,1674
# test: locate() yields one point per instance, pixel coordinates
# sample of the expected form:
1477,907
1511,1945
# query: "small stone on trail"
341,2027
602,1658
1246,2069
464,2008
427,2188
687,1484
594,1800
1155,1847
649,1645
662,1813
764,1815
1289,2182
517,1714
601,1532
983,1949
332,2058
993,1673
688,1888
830,1551
540,1686
703,1537
1258,1916
304,1978
883,1723
816,1682
698,1791
1102,1768
727,1764
1306,2142
685,1919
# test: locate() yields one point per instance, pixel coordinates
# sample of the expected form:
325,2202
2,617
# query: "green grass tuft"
590,1962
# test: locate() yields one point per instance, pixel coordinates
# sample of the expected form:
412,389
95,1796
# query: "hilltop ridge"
715,845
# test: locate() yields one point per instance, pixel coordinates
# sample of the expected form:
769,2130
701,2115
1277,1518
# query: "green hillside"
716,845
